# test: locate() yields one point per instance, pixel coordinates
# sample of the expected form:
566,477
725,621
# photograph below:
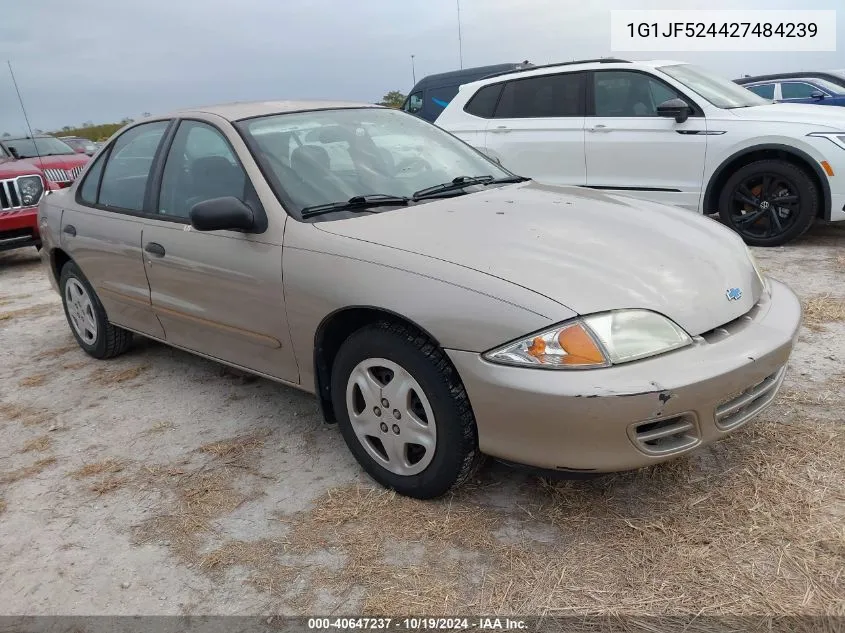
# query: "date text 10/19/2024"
416,624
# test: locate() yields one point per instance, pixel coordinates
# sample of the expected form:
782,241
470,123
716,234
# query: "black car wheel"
769,202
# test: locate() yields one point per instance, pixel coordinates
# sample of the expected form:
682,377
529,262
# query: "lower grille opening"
659,437
749,403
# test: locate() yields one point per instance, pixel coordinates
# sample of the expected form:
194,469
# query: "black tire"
110,340
456,456
748,203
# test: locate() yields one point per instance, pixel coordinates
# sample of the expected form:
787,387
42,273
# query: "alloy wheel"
80,311
765,205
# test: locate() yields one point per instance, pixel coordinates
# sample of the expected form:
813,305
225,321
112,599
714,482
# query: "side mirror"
677,109
14,152
222,214
818,96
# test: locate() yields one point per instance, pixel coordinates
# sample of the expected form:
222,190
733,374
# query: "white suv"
665,131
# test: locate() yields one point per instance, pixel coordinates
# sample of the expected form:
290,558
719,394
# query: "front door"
102,232
538,128
218,293
632,150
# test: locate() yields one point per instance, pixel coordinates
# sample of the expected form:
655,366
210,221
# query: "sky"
103,60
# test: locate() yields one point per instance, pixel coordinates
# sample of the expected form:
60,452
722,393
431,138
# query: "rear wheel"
769,202
403,411
87,317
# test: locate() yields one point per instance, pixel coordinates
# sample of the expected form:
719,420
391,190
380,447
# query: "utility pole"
460,41
413,70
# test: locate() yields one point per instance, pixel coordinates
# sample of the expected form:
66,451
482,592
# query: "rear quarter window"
483,103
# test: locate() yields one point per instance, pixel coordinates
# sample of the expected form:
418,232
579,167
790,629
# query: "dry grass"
39,444
56,352
36,380
104,377
32,311
160,427
237,446
3,506
26,415
105,467
823,309
753,525
198,498
108,484
26,471
76,364
840,262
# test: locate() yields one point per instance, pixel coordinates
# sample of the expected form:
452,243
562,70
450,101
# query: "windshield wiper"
464,181
356,203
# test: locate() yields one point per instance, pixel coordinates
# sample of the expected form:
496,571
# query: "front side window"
541,97
127,171
415,102
340,154
767,91
39,146
721,92
200,166
629,94
797,90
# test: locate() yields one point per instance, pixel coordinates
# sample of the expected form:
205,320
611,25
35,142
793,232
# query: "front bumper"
18,228
633,415
837,207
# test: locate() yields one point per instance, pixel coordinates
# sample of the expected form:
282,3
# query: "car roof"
801,74
249,109
573,66
450,77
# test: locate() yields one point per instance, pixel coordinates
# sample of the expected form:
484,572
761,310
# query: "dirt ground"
161,483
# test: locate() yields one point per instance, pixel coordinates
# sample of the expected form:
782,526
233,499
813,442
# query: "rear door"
537,129
102,228
218,293
632,150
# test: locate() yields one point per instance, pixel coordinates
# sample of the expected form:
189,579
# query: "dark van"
434,92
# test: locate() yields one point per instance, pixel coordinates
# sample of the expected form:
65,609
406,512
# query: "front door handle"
70,229
599,128
154,248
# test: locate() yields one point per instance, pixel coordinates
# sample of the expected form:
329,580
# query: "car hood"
584,249
11,168
65,161
807,113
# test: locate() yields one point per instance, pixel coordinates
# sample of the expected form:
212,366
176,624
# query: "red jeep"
56,159
21,187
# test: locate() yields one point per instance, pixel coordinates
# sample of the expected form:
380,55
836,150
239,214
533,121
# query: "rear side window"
483,104
544,96
767,91
128,168
88,190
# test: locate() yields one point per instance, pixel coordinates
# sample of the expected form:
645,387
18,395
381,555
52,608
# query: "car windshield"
721,92
327,156
47,146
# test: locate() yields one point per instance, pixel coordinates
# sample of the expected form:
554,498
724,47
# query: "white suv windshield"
721,92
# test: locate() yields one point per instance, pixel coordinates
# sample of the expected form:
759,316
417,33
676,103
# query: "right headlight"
597,340
31,188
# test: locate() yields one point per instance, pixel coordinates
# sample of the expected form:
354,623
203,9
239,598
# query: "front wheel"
87,317
403,411
769,202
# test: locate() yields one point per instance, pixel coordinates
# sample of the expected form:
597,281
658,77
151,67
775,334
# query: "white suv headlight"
598,340
837,138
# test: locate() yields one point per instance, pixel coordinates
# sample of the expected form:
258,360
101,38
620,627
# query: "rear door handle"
154,248
70,229
599,128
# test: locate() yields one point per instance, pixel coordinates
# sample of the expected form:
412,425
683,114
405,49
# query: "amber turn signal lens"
579,347
538,347
827,168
